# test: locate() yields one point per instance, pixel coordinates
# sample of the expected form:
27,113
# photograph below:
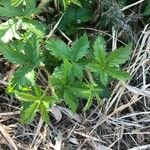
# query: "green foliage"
108,65
16,3
23,44
26,54
33,102
75,17
7,8
147,9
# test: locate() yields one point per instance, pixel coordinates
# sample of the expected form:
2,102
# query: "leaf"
26,96
79,48
27,55
34,26
67,71
119,56
12,54
58,48
104,77
28,114
9,11
70,100
99,50
78,71
38,96
74,18
118,74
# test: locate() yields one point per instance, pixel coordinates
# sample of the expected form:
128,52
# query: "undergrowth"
76,72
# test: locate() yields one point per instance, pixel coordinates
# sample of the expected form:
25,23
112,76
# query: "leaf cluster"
69,80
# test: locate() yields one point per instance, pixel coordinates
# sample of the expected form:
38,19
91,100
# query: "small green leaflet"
119,56
79,48
99,50
118,74
58,48
28,114
71,100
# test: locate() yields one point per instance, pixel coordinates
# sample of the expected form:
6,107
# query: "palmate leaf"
58,48
27,55
69,56
88,91
119,56
79,48
105,65
33,101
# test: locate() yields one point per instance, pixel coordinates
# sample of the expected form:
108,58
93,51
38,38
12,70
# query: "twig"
131,5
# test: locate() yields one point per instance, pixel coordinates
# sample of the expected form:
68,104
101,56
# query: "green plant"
23,44
75,17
